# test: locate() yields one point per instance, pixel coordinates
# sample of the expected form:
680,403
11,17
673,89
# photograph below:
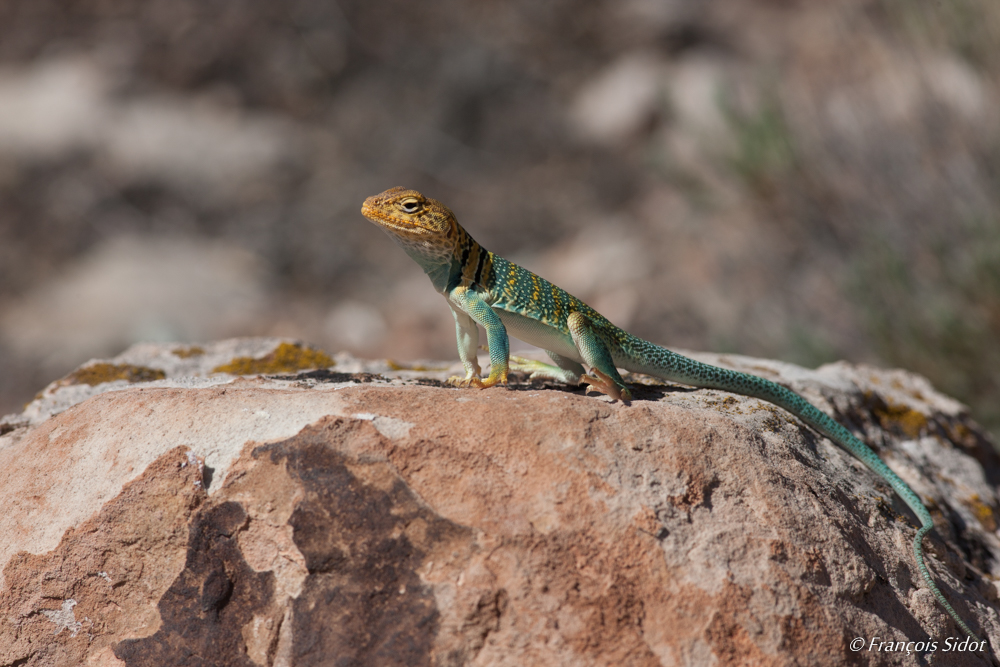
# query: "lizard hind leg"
564,370
596,354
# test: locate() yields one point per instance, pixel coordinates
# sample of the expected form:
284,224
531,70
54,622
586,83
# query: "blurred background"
797,180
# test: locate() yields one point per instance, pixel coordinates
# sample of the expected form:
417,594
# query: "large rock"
160,514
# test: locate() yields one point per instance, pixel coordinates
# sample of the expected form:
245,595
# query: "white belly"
537,334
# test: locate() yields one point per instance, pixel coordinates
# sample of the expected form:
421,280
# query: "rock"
367,514
136,288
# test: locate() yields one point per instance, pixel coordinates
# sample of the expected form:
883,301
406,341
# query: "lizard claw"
456,381
493,379
473,381
605,384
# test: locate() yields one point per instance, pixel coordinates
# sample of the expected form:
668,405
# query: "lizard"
485,289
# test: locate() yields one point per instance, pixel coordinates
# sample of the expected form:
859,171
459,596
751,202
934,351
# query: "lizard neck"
435,259
460,261
471,263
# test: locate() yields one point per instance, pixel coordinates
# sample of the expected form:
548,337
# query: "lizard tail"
668,365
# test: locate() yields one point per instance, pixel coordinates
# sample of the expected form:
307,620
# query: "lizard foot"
470,381
473,381
605,384
493,379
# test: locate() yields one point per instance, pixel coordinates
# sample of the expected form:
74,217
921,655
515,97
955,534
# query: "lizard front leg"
470,303
467,334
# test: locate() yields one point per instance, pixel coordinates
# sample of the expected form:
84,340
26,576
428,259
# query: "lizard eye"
410,205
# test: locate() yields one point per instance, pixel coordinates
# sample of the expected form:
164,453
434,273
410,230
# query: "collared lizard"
485,289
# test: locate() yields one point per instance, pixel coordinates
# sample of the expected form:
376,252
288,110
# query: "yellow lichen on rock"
905,419
983,512
188,351
396,366
286,358
95,374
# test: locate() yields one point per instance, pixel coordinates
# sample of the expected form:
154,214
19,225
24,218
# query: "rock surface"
366,514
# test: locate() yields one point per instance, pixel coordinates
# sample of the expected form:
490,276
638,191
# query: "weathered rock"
344,517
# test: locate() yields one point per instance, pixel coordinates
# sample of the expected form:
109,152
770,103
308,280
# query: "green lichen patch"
286,358
189,351
97,373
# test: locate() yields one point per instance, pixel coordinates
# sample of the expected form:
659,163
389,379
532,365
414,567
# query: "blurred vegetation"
924,279
967,27
764,148
939,314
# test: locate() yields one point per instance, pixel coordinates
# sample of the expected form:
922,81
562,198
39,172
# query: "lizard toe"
606,385
470,381
493,379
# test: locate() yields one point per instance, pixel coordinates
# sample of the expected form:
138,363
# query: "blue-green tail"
677,368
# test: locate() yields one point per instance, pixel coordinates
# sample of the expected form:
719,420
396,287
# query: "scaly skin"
485,289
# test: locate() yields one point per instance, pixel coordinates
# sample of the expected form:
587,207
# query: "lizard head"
426,229
410,215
